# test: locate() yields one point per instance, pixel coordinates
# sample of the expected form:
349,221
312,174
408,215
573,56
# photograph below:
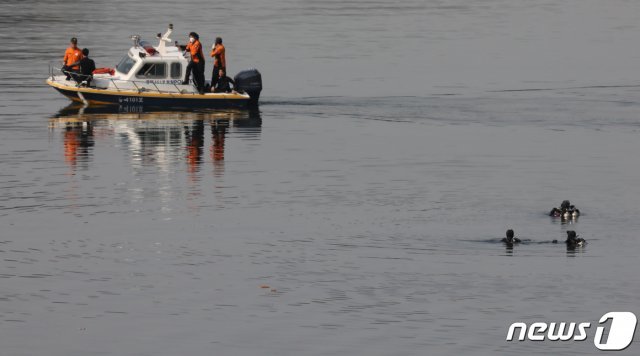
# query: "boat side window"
153,71
125,65
176,70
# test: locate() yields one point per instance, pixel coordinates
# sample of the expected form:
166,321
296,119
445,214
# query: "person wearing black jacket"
87,66
224,83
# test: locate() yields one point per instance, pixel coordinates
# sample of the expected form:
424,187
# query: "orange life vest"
71,56
195,49
218,56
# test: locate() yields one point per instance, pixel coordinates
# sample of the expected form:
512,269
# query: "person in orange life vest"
196,64
219,61
72,56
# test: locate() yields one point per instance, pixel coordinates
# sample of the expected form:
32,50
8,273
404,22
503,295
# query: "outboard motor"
249,81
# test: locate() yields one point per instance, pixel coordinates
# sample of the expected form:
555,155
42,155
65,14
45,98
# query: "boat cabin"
164,64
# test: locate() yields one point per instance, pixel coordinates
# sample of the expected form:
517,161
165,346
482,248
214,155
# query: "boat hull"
139,100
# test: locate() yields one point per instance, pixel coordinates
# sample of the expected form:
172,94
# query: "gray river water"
357,212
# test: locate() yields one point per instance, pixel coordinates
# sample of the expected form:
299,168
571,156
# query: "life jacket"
218,56
195,49
71,56
104,71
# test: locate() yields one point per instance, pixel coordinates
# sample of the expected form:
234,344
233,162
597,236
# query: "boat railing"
140,85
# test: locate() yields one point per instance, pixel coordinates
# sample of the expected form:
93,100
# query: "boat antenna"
135,39
164,40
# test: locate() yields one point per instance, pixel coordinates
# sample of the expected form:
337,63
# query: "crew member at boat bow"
72,56
87,66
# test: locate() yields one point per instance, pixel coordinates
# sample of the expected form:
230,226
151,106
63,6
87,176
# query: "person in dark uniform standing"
219,61
196,64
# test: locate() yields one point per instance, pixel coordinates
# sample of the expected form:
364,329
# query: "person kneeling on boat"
71,58
87,66
196,64
224,83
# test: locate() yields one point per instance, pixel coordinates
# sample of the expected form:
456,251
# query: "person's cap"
74,40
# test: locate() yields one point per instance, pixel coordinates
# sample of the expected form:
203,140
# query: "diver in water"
510,239
566,211
572,212
573,240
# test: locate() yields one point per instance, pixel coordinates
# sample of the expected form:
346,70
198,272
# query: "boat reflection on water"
161,139
78,141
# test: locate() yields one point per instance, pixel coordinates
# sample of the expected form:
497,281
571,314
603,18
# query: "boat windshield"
125,64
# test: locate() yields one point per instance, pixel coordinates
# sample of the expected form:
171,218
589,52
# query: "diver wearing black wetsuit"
573,240
566,211
510,239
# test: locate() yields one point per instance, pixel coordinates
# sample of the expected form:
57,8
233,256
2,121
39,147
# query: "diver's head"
565,204
509,235
571,236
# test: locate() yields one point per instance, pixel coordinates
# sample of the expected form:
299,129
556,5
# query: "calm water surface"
393,143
